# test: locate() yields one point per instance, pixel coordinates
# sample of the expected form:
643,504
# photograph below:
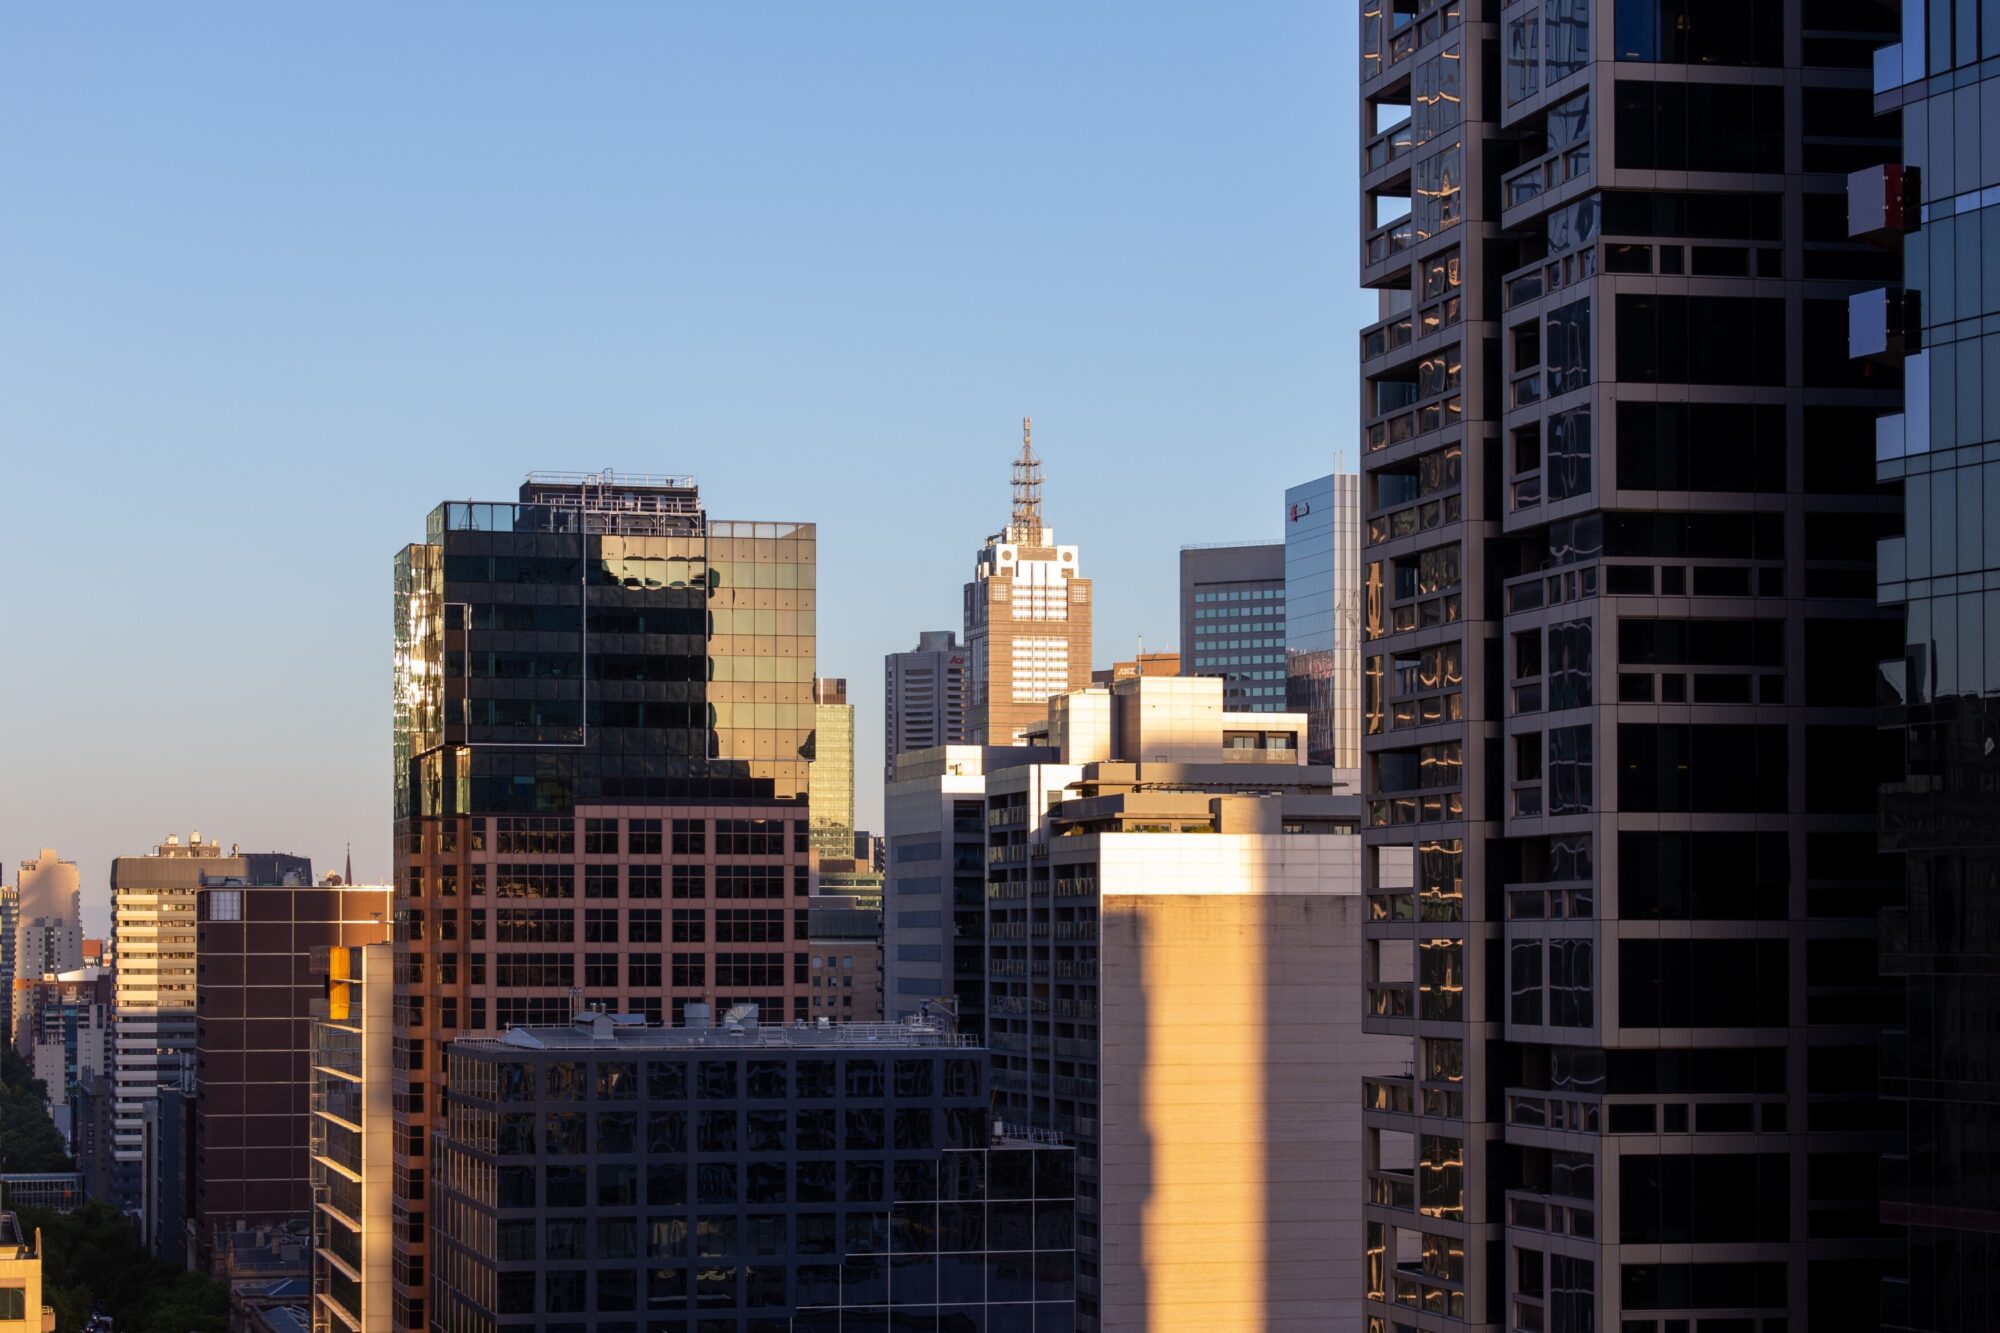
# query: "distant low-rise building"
21,1305
846,949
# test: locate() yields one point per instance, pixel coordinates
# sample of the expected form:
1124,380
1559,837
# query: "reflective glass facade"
604,727
1942,690
696,1181
1323,616
1619,628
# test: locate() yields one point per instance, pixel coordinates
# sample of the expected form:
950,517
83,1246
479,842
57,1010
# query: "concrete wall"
1231,1124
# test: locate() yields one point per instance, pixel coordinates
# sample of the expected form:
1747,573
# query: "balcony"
1396,1096
1386,147
1393,1189
1531,1210
1391,1001
1386,337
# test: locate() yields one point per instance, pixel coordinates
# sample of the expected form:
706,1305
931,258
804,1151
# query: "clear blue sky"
277,279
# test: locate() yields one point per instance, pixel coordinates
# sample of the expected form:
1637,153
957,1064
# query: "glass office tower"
604,719
1936,201
1619,632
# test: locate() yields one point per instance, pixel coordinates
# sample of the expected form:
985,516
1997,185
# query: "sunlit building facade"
352,1130
1619,634
833,771
604,722
1027,619
1173,980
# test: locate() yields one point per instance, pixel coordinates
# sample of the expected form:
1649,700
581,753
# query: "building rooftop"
626,1032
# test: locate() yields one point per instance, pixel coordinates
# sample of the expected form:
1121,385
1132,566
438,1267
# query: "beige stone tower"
1027,616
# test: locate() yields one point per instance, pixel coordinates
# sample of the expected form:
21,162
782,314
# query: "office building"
263,969
1233,621
934,897
1173,978
10,922
153,982
924,697
67,1035
1323,616
742,1180
1619,636
604,719
846,950
832,775
1932,200
21,1305
1027,617
353,1089
167,1198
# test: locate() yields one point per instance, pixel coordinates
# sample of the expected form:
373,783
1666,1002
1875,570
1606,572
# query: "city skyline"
901,395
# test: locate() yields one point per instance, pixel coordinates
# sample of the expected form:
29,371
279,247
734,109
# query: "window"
1728,340
642,881
691,881
600,837
643,926
1673,126
642,837
1701,32
690,970
690,925
642,971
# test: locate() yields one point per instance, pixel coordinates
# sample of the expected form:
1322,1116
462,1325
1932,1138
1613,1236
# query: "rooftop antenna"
1026,528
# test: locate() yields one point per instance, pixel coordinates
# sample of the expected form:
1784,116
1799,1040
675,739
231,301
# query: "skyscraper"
1933,201
263,952
1173,929
1233,621
1027,617
1323,615
1619,634
153,928
832,775
924,697
604,715
352,1129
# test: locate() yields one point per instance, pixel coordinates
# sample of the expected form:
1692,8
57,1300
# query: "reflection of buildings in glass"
1620,626
832,774
1027,618
774,1178
604,723
1941,684
1323,615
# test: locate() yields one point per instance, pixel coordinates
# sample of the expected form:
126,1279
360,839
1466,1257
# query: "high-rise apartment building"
1323,616
352,1139
153,980
934,925
1233,621
66,1034
924,697
743,1179
51,887
10,921
832,775
1618,639
604,719
1027,618
1173,979
1934,202
262,951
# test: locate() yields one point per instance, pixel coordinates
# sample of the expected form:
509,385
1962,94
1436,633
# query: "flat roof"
603,1032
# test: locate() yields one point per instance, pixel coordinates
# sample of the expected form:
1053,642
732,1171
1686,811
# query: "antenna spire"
1026,527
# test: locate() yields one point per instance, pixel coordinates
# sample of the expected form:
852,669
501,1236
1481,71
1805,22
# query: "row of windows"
667,1132
711,1080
